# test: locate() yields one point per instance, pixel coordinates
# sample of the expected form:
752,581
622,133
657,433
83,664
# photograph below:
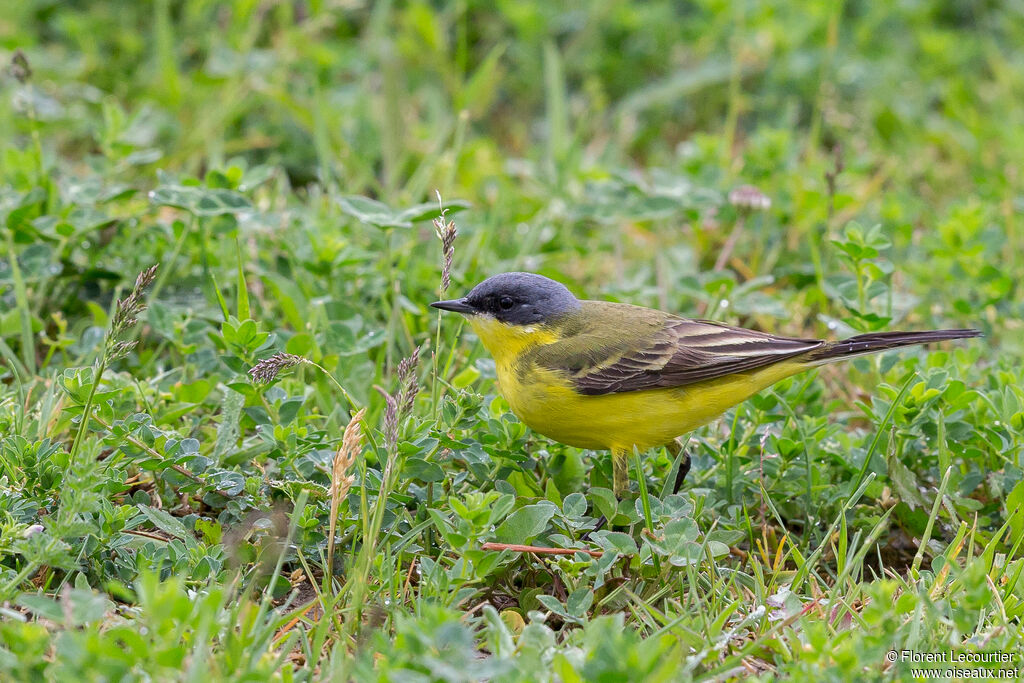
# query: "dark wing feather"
676,352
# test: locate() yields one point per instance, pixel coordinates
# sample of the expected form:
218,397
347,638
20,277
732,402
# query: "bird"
613,376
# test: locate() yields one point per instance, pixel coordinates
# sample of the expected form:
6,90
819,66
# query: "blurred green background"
594,128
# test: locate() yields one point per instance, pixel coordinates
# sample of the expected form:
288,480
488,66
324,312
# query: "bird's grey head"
515,298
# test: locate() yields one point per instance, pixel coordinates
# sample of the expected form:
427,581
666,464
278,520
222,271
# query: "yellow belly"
644,419
544,400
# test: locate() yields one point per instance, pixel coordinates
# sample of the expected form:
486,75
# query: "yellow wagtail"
602,375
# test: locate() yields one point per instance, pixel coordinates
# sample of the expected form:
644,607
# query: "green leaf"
523,525
342,339
428,211
372,212
905,483
468,375
42,606
379,214
552,493
605,502
289,409
501,507
580,601
554,605
201,201
163,521
86,605
243,292
480,89
615,541
1015,512
418,468
574,506
227,481
220,297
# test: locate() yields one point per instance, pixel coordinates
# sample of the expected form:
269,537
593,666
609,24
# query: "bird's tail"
874,342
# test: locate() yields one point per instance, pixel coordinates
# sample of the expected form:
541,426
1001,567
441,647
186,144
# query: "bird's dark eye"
505,303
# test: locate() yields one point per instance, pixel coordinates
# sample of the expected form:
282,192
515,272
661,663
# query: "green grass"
164,517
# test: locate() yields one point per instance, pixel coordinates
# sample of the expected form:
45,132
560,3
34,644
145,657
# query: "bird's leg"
620,472
601,521
620,483
675,448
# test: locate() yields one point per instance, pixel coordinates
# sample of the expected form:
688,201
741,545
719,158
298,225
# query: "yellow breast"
547,403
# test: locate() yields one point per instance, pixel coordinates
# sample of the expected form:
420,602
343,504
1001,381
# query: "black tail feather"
882,341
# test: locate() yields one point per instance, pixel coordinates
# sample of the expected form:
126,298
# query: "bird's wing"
671,352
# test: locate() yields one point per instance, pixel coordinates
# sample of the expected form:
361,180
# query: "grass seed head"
400,404
341,480
344,459
409,387
446,232
267,370
129,308
390,427
126,315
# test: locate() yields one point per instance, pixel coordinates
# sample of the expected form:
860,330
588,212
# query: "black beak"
455,305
